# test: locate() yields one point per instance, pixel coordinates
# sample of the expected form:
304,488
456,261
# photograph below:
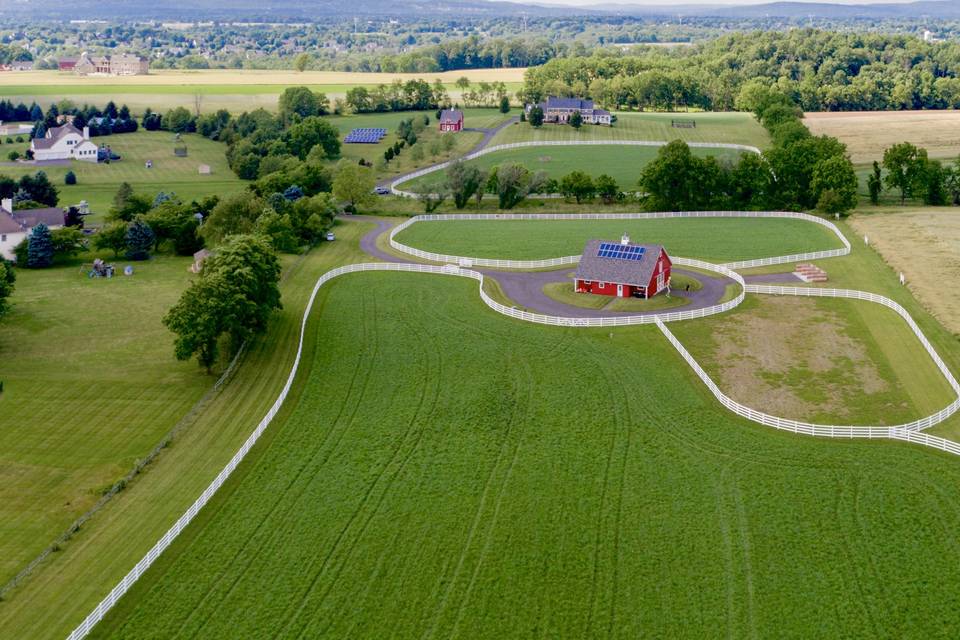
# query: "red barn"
451,120
66,64
623,269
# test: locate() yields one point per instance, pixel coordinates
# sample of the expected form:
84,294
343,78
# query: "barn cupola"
624,239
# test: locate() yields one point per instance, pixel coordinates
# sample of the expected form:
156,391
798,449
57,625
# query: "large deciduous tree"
905,165
353,185
463,181
577,185
234,295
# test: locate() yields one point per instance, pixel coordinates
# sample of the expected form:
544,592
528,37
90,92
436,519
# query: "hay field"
212,89
923,243
868,133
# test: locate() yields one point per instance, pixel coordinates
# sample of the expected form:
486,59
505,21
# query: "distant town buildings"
121,64
17,65
65,143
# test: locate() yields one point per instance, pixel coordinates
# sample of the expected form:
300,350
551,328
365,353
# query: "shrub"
70,178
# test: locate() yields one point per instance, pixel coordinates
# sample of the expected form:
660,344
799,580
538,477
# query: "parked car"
330,236
382,191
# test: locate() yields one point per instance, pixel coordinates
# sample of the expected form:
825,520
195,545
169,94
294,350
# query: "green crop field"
714,239
738,128
448,472
97,183
91,385
622,163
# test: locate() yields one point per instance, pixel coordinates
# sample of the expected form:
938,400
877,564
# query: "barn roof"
618,270
448,116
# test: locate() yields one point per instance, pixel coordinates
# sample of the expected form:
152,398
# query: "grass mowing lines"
623,470
712,239
62,591
90,385
622,163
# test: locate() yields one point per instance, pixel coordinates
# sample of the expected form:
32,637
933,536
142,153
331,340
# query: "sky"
662,3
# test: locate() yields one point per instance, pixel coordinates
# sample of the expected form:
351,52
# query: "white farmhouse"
16,225
63,143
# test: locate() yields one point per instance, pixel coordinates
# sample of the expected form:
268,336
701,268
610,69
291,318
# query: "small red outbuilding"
623,269
451,120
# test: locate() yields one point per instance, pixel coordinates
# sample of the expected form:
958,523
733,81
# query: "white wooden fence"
906,432
557,143
496,263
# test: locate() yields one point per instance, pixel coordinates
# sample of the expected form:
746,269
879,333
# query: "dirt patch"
925,245
793,359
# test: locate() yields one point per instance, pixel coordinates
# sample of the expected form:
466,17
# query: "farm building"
451,120
622,269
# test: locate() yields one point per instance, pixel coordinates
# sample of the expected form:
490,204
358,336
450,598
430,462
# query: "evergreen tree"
40,247
576,120
875,183
139,240
70,178
7,278
504,104
536,117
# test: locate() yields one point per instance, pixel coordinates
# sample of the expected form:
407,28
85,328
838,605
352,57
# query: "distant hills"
309,10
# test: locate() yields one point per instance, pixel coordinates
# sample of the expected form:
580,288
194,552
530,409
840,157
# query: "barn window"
601,284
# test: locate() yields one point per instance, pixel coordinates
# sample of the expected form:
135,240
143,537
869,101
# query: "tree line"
818,70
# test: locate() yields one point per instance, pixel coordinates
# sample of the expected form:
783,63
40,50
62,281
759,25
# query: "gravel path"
526,287
488,135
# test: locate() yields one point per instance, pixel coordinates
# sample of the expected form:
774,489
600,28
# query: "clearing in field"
713,239
924,244
97,183
735,128
819,360
546,493
868,133
622,163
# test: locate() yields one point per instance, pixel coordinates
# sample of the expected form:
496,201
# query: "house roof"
54,134
450,116
29,218
554,102
8,224
617,270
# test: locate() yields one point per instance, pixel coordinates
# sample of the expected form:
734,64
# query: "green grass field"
95,374
90,385
714,239
97,183
738,128
623,164
575,484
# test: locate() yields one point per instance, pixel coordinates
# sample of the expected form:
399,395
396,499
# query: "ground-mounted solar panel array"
620,251
367,135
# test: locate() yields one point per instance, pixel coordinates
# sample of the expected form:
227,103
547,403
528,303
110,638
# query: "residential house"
558,110
15,226
121,64
64,143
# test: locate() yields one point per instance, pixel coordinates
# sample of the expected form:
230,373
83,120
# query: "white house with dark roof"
16,225
65,143
559,111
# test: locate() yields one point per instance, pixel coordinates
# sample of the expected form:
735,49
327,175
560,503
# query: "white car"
330,236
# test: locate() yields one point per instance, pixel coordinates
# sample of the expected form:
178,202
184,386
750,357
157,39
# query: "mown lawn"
623,164
574,484
90,385
97,183
714,239
738,128
96,386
